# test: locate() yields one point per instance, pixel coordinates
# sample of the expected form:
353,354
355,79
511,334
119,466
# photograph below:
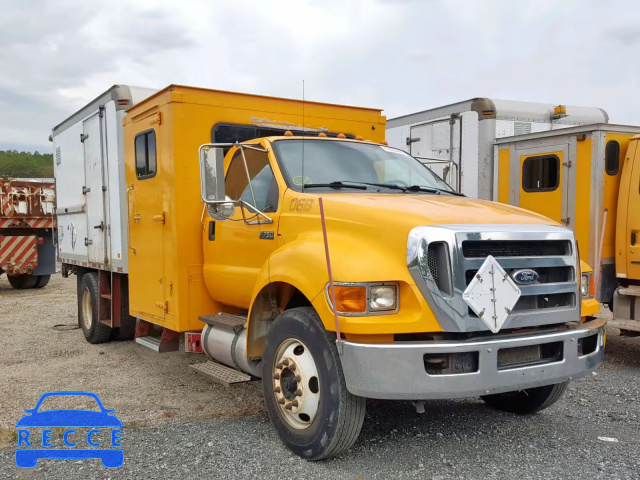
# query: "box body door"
145,196
93,188
633,219
544,181
435,144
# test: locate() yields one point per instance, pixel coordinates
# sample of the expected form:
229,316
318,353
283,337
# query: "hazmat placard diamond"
492,294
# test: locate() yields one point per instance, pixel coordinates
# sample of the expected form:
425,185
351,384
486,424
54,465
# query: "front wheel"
304,389
526,401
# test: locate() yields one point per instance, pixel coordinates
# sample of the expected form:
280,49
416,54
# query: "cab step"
221,373
624,324
224,320
146,335
150,342
633,290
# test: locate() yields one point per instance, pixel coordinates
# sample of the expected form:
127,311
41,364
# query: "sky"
401,56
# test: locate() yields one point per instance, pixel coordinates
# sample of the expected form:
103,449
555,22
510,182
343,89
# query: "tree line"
25,164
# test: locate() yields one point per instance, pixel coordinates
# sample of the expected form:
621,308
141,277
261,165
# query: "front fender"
302,264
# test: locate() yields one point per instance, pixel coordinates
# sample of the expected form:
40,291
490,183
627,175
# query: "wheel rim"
296,385
87,311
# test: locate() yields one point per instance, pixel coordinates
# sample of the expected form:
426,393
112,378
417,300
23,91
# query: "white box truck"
91,198
457,141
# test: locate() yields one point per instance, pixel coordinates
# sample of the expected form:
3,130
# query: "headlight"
382,298
585,285
364,298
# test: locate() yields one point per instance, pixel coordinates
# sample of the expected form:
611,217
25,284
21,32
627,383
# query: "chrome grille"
548,250
510,248
539,302
546,274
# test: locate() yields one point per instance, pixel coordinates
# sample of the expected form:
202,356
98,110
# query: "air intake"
439,267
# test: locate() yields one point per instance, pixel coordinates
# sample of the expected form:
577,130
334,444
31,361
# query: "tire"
530,400
88,309
127,329
328,419
42,281
22,282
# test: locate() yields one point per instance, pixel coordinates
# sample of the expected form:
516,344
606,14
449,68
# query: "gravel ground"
178,425
143,386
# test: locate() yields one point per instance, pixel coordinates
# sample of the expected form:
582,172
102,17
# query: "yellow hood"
412,210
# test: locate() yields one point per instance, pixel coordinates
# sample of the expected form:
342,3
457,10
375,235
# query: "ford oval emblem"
525,276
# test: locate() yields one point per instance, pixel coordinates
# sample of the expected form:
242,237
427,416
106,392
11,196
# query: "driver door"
237,249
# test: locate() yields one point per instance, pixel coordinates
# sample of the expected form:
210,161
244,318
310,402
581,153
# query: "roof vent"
521,128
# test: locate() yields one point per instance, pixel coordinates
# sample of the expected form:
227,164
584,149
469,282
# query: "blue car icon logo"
86,433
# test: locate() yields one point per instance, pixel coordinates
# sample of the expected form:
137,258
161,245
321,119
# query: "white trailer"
91,195
457,141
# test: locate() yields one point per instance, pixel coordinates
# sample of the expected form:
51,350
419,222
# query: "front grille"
447,258
546,274
539,302
515,248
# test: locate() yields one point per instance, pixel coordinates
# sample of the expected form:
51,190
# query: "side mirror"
221,211
211,174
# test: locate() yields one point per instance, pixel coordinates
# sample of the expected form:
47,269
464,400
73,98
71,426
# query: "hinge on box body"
164,306
567,164
412,140
566,221
83,137
159,218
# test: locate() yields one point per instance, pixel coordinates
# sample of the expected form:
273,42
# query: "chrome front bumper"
396,371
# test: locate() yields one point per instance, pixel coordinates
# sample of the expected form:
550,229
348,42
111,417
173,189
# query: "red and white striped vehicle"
27,231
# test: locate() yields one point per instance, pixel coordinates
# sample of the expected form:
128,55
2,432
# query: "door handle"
128,216
633,238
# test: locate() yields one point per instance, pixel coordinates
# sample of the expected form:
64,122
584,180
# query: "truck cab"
434,295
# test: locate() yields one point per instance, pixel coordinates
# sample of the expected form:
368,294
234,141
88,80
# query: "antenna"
303,135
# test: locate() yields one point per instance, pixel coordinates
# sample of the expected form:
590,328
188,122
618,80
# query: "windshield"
366,164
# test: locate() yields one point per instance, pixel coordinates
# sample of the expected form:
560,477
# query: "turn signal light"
351,299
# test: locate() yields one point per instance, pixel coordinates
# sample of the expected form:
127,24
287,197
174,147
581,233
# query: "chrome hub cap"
295,384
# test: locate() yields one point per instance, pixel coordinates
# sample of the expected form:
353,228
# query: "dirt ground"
42,350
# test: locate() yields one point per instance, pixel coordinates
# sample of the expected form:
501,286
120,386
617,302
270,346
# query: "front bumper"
396,371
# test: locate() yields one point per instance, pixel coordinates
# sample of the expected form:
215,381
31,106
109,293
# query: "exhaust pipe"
228,346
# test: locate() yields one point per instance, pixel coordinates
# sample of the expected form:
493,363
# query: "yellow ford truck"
434,295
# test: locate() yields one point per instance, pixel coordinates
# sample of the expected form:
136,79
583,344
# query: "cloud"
402,56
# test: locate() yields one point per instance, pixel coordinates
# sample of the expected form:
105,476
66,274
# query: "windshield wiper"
334,185
420,188
354,184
